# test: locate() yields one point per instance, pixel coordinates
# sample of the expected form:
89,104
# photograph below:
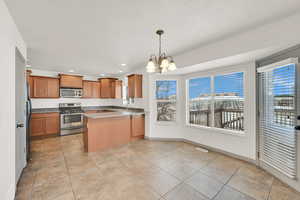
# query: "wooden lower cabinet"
137,127
37,126
44,124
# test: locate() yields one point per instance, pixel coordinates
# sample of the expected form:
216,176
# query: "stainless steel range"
71,118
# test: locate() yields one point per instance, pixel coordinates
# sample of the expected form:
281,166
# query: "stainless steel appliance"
71,118
70,93
28,118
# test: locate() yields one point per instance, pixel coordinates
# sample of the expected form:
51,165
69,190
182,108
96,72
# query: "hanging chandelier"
162,63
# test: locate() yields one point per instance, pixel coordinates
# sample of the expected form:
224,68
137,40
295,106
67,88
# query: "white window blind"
277,117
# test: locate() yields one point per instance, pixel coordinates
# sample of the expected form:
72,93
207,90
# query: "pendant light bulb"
172,66
164,63
150,66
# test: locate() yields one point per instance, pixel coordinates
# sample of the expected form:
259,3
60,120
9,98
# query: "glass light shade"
172,66
150,66
164,69
164,63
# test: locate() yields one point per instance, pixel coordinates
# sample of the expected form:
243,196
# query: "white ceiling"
96,36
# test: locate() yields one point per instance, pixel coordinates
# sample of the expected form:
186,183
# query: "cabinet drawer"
43,115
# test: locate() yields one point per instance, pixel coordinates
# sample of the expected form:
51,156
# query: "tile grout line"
270,189
225,184
69,175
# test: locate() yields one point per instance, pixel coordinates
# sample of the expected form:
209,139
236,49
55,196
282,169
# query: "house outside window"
217,101
166,96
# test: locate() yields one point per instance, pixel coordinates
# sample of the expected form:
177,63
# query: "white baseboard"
11,193
203,146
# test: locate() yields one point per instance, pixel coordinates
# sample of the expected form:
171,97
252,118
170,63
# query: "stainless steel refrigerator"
28,118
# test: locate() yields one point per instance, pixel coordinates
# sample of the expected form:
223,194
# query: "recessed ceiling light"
123,64
71,70
120,71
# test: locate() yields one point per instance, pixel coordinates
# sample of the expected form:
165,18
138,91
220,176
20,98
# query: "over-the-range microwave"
70,93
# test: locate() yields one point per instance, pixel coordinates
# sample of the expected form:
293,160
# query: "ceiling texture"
97,36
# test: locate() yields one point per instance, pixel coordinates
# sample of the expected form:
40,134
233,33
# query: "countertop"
44,110
116,111
113,113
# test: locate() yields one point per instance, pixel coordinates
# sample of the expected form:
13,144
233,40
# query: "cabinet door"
96,89
138,125
135,86
106,85
37,126
131,86
40,87
87,89
53,88
118,89
70,81
52,125
30,84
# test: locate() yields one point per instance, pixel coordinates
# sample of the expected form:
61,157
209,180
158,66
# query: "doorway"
20,114
278,119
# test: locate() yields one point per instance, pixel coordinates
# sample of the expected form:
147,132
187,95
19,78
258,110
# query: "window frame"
176,102
212,78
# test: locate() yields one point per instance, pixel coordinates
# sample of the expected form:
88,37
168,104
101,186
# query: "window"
229,101
166,91
219,105
200,101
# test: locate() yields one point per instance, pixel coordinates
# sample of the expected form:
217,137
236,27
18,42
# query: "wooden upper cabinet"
106,88
30,84
96,89
91,89
53,88
44,87
70,81
135,86
87,89
117,87
40,87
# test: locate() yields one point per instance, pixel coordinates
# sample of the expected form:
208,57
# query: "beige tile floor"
142,170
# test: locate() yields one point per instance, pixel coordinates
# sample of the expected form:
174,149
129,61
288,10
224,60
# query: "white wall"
172,130
244,146
10,39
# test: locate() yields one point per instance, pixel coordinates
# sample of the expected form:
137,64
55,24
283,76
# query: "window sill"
218,130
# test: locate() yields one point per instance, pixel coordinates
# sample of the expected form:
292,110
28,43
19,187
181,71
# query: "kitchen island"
112,128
